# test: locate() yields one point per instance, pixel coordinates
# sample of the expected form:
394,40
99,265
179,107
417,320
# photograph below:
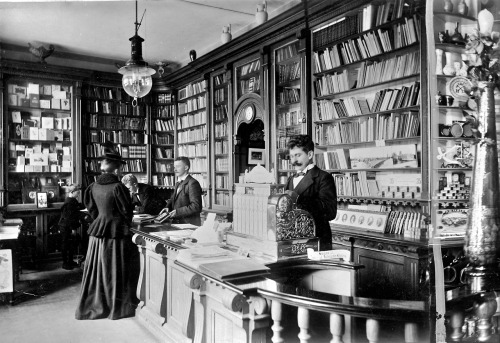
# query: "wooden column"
337,327
303,322
276,316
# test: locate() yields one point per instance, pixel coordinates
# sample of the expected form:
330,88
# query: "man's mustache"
298,164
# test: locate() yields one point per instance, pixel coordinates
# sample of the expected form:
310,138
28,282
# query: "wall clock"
249,112
459,87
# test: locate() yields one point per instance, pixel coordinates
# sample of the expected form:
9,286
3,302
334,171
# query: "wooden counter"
180,304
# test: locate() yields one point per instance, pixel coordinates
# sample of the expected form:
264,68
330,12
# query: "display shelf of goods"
248,78
39,139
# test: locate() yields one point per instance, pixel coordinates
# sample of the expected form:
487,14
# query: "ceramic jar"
261,14
439,62
226,34
462,7
448,6
449,68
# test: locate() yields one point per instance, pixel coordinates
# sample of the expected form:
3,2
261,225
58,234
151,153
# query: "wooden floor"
44,311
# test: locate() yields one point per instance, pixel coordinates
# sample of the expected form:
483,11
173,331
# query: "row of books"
198,149
192,89
361,184
368,45
334,159
198,164
220,112
288,72
34,101
250,67
193,135
222,164
220,130
165,180
163,167
219,79
284,163
28,133
376,14
221,147
334,31
122,137
107,93
369,129
163,124
222,199
334,83
135,166
198,118
163,139
284,134
115,122
162,152
388,99
53,90
194,104
202,178
289,96
370,73
222,181
164,98
220,95
286,52
164,111
249,86
404,223
132,151
289,118
121,108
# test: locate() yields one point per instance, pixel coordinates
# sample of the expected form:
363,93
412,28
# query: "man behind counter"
315,188
144,197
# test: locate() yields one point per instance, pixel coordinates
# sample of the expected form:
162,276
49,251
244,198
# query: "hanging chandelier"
136,81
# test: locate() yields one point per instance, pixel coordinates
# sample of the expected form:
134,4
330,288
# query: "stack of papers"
173,235
143,218
193,257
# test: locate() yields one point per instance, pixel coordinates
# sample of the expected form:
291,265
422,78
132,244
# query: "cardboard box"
58,135
56,104
25,132
34,134
44,103
46,135
34,100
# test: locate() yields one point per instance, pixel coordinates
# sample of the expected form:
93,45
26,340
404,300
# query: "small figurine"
443,36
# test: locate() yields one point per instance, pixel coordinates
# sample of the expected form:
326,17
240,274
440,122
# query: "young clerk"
184,206
315,188
69,223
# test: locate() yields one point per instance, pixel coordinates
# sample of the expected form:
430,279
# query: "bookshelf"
108,115
248,78
192,132
221,140
288,100
162,140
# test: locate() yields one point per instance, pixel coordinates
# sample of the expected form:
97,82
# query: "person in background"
109,277
184,206
144,197
315,188
69,223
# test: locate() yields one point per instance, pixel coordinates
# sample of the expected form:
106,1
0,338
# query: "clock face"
459,87
249,112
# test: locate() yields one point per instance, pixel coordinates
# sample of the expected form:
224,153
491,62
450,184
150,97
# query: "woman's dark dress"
109,276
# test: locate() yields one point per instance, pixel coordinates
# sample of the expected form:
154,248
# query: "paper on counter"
328,255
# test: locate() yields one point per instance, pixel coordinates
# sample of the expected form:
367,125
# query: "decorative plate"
459,87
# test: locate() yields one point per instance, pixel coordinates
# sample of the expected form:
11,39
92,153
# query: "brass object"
482,236
292,223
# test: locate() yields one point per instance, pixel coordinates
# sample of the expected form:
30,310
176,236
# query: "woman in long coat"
108,285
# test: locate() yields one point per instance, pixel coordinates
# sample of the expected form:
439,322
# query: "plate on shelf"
459,87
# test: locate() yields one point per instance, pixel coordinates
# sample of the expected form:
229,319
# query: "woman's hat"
110,153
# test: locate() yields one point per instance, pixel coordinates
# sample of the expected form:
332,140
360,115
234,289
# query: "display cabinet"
39,150
451,156
108,115
248,78
192,132
288,101
162,139
221,140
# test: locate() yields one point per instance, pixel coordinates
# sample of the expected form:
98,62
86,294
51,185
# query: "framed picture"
41,199
256,156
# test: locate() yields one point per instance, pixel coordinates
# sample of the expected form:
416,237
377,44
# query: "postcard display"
40,156
265,223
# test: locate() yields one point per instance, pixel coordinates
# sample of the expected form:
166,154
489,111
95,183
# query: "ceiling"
101,29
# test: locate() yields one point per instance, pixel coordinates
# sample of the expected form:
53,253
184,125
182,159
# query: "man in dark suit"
185,205
315,188
144,197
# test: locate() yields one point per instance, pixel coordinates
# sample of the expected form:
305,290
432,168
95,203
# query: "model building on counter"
266,222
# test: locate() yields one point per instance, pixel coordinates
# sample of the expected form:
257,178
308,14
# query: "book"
233,269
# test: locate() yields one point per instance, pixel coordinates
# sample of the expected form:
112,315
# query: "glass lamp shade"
137,81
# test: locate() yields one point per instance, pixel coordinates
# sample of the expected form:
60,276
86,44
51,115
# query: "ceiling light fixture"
136,81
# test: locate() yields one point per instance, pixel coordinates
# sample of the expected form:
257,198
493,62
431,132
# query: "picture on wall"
256,156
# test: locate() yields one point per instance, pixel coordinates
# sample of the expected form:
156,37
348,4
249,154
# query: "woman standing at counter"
109,280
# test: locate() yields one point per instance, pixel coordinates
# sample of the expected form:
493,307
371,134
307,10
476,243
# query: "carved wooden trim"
160,248
193,281
259,304
138,240
234,302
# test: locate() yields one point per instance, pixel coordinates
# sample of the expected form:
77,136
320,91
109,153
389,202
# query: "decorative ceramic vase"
457,37
226,34
449,69
482,240
261,14
462,7
439,62
448,6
